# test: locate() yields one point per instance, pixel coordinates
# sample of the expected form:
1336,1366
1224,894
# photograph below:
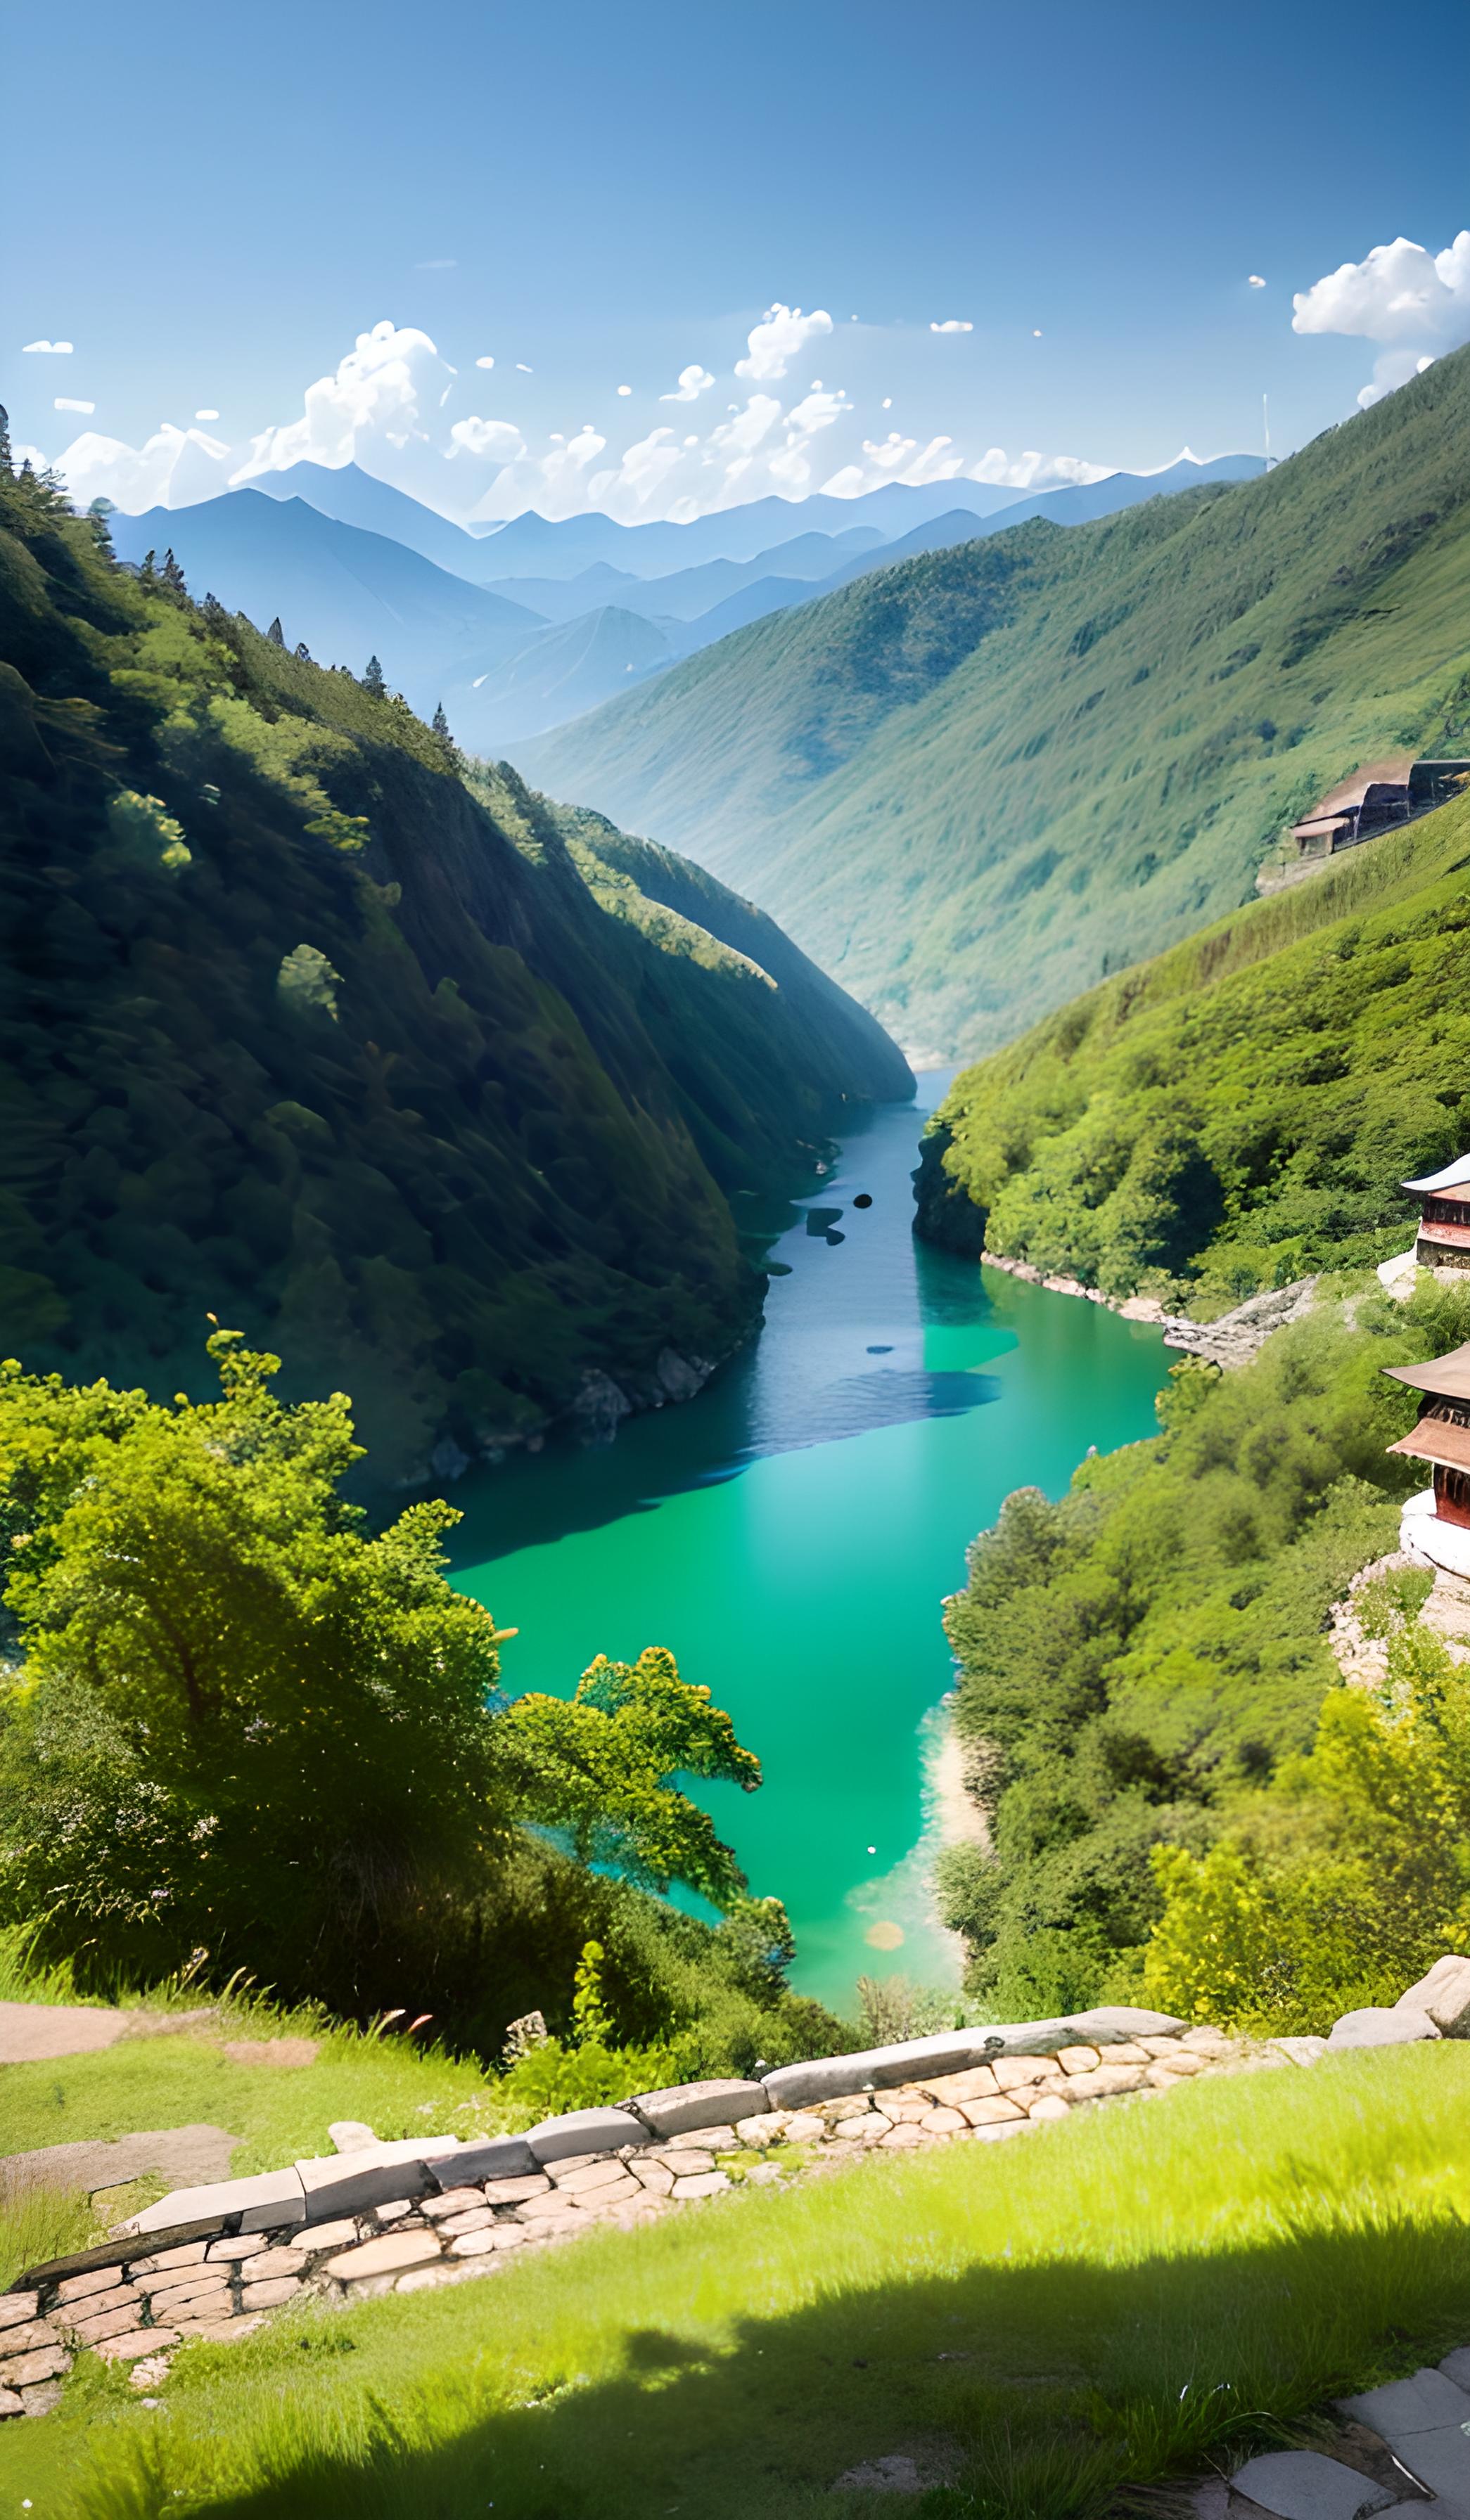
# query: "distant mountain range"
973,782
521,628
348,594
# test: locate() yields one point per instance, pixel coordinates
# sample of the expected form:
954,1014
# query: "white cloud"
1034,472
172,468
782,333
376,395
206,415
952,323
63,402
522,370
499,442
382,408
1255,280
1412,303
693,381
57,349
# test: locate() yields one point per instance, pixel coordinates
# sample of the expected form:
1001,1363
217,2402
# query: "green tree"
7,460
372,680
275,634
235,1719
1349,1879
173,576
282,1719
440,724
599,1765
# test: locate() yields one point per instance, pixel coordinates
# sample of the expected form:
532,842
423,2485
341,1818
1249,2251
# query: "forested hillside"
975,783
302,1030
1145,1665
1242,1110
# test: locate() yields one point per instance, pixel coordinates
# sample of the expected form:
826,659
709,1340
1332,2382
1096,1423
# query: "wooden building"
1369,803
1444,1216
1442,1437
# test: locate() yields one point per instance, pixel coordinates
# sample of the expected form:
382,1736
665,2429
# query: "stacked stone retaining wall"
210,2262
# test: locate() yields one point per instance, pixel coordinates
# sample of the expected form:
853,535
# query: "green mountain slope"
1245,1108
974,784
297,1028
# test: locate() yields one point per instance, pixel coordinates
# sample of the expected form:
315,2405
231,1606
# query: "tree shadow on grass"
1041,2390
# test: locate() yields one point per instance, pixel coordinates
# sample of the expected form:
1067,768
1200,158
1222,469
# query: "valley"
977,782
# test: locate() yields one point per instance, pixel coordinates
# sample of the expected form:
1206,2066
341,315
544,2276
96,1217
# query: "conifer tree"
275,634
372,680
303,651
442,724
174,575
96,518
147,569
6,458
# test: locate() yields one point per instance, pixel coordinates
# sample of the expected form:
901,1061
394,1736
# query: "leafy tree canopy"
240,1721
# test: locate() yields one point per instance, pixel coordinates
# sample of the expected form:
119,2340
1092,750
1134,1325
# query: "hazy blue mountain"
347,593
357,498
533,546
556,673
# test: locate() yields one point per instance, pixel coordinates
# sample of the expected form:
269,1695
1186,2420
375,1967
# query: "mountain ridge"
973,782
362,1055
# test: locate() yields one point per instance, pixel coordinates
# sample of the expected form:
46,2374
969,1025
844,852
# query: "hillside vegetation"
1144,2293
302,1029
1145,1665
975,783
1245,1108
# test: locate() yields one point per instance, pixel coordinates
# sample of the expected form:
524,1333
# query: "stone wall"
399,2216
212,2262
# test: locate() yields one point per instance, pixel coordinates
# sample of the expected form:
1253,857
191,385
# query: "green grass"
277,2112
1139,2294
975,783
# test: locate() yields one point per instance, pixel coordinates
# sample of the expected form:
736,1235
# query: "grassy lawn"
1103,2303
280,2111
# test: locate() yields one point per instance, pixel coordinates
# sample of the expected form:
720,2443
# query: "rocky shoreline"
1232,1339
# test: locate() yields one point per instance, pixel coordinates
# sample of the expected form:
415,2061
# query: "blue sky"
216,206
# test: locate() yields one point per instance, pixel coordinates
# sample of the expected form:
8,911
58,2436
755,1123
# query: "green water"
791,1534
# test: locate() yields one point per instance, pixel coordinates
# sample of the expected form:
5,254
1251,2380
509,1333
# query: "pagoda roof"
1450,1179
1443,1378
1436,1439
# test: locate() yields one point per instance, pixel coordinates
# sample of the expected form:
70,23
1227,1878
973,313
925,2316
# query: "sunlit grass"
1100,2305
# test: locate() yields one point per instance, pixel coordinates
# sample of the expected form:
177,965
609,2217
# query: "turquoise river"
790,1535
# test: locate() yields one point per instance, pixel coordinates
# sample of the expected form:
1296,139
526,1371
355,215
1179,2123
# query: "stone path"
29,2032
1423,2423
190,2153
32,2034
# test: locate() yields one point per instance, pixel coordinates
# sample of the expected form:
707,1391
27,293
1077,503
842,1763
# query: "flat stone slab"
1441,2460
1303,2485
193,2153
1378,2025
31,2033
1403,2409
1444,1995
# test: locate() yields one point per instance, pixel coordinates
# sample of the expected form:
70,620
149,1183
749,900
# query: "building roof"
1450,1179
1437,1439
1444,1377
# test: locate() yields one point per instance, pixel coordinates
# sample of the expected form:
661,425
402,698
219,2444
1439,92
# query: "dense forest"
977,782
1242,1110
1185,1804
381,1059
